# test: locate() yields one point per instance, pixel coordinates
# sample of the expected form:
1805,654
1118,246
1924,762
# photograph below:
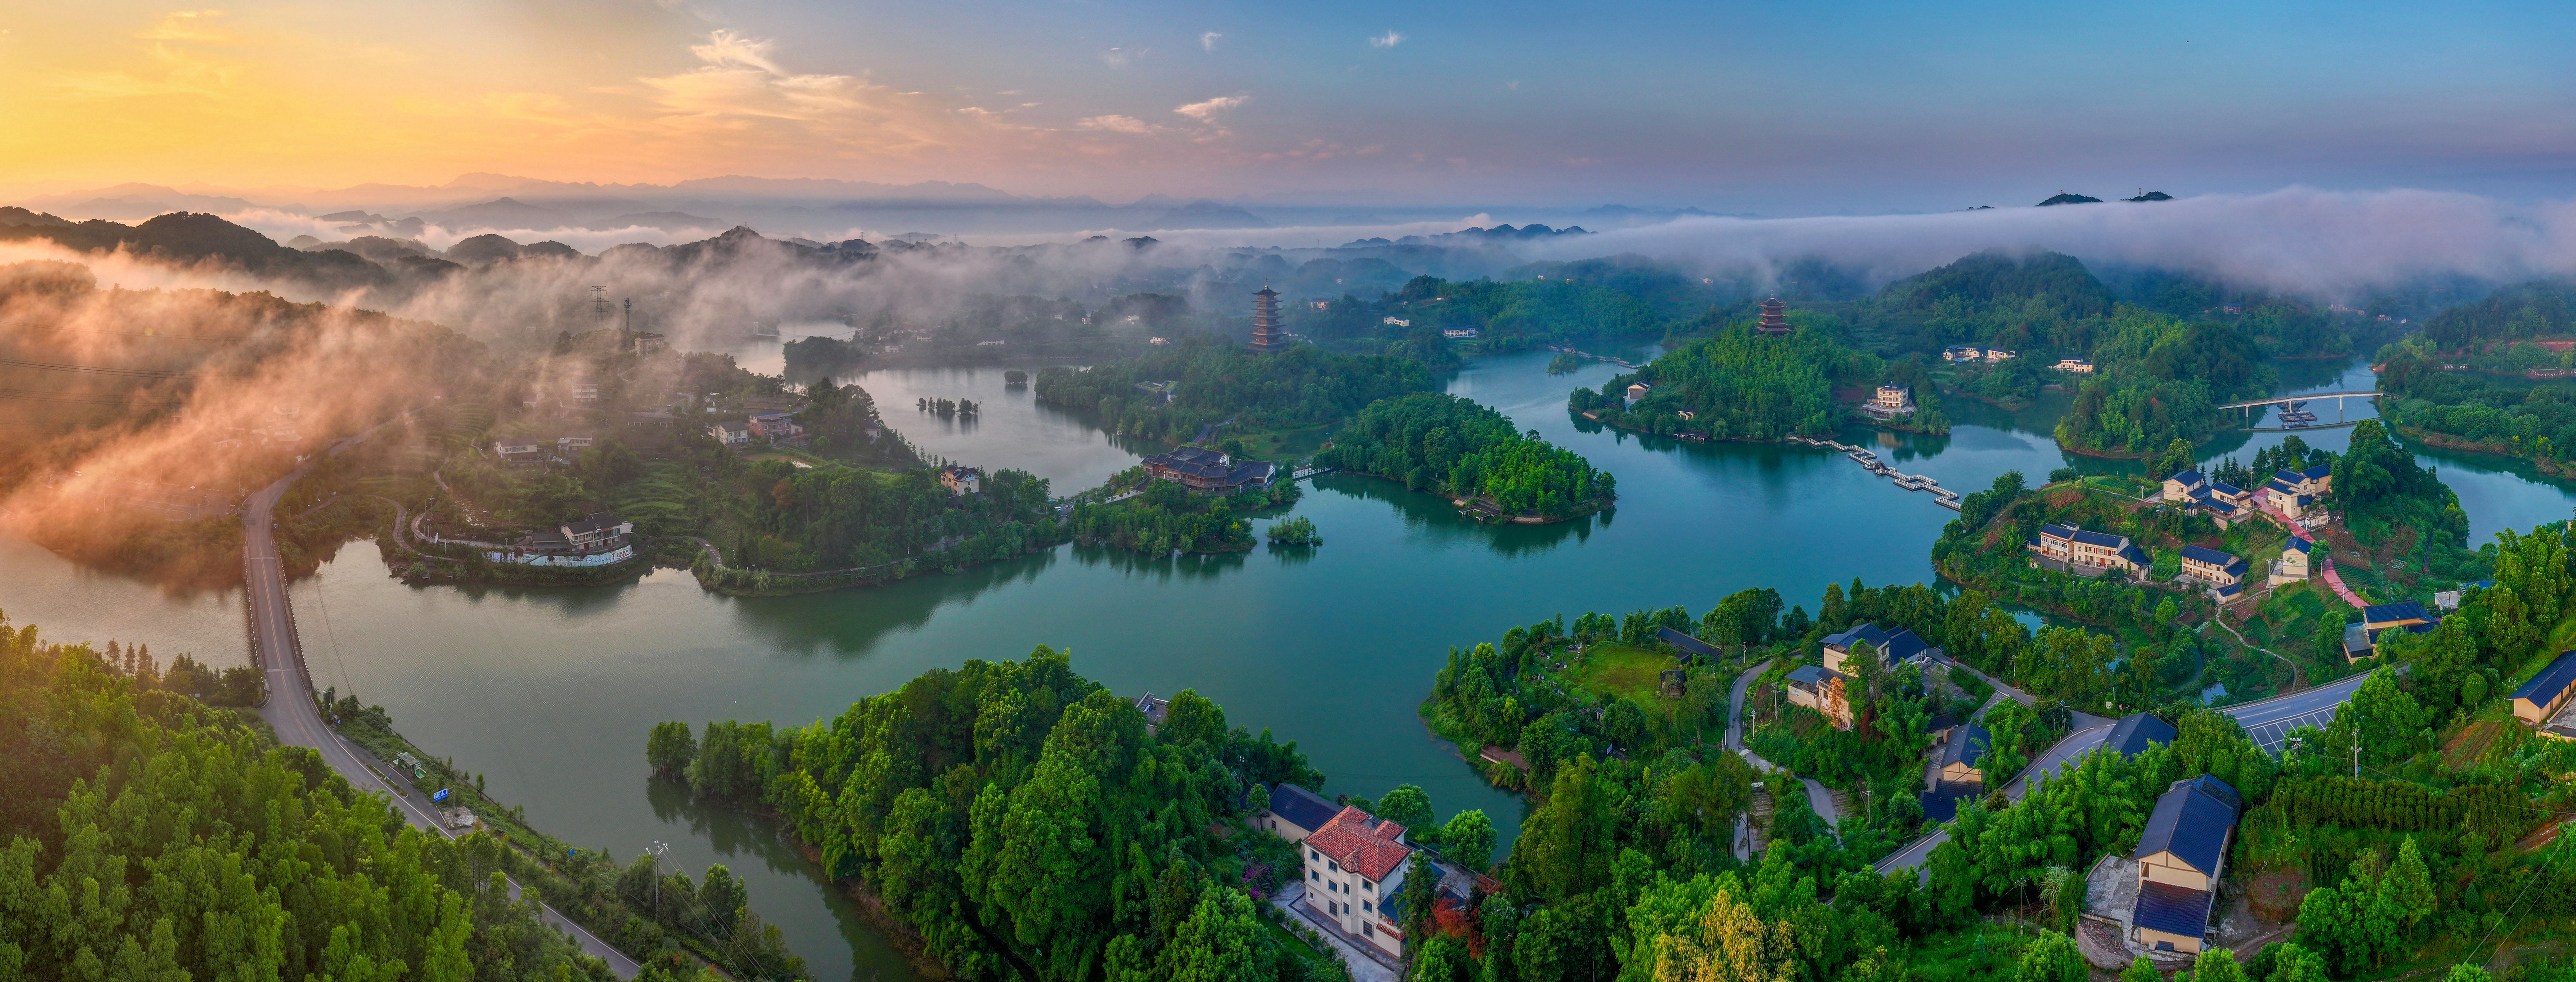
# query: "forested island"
1272,403
1744,385
1453,446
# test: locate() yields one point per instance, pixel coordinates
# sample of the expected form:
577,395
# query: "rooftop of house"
2403,610
1895,647
1364,844
1155,710
2222,487
2104,539
1813,675
2288,476
731,426
2187,478
2191,821
2172,909
1306,809
2296,545
2057,530
2137,731
2319,471
596,522
2545,687
1968,746
959,471
2280,486
2204,554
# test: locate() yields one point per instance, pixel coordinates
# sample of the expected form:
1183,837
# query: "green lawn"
1633,674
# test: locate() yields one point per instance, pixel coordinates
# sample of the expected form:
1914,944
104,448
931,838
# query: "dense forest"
1216,383
1021,822
1163,516
2497,396
2538,309
1740,385
1454,446
1555,303
153,837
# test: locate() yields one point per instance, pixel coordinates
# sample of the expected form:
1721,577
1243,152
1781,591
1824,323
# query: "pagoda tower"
1266,335
1775,318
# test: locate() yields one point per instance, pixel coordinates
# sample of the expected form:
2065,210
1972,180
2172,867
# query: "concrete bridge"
1868,461
2298,403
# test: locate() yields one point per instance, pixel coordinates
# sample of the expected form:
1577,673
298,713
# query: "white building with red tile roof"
1354,866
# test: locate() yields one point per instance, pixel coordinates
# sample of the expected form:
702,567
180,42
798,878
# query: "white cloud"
1207,41
1121,57
1116,124
726,49
1387,40
1207,112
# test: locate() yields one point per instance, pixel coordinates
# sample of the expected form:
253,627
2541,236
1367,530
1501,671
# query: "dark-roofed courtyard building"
2180,859
1205,471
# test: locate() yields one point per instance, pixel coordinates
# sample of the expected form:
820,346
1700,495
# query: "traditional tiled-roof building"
1206,471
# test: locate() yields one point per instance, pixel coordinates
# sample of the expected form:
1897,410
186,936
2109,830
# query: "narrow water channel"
549,693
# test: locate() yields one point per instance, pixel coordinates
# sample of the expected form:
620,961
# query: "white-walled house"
1354,866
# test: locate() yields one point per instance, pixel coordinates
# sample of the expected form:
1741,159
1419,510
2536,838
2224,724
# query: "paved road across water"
279,656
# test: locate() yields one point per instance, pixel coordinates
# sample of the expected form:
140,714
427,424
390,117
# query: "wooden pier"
1868,461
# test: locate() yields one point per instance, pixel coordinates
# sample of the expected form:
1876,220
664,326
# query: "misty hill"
188,238
668,221
2151,196
2538,309
1208,214
2063,198
502,213
1980,283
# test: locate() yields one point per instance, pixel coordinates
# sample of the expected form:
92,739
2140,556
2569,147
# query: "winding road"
2268,723
279,655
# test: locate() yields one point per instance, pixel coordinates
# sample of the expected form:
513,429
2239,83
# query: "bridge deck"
2310,397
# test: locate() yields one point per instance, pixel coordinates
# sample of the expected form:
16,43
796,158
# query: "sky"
1753,108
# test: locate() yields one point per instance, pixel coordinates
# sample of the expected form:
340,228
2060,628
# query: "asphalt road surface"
291,710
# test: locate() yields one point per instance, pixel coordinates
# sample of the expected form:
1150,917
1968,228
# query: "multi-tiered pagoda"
1266,335
1775,318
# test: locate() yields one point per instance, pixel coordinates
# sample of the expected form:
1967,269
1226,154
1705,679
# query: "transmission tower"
599,302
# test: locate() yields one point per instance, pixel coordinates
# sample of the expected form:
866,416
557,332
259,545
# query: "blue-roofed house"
2181,487
1963,755
1893,648
2293,565
2318,479
1296,813
2107,551
2134,733
1821,689
2213,567
2547,692
2180,859
2400,614
2055,541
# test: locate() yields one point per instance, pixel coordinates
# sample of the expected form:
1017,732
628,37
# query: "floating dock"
1868,461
